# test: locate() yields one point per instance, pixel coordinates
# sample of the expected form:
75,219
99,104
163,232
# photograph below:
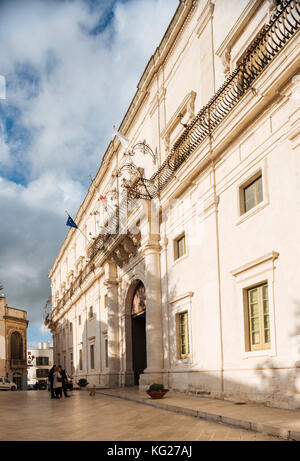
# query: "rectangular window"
80,359
179,247
258,318
71,363
106,352
79,320
183,335
92,356
71,327
106,301
91,313
41,361
252,194
42,373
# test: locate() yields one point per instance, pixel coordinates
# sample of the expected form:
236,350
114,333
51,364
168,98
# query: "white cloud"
65,91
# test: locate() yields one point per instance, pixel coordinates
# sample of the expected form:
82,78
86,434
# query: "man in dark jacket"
64,380
50,379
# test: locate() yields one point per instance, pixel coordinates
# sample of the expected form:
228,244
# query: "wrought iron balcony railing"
261,52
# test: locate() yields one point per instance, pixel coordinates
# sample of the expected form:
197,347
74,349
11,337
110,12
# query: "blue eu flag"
71,223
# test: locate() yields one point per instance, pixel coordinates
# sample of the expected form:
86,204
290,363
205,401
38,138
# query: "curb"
263,428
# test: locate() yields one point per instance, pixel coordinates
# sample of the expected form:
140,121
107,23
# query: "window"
91,313
71,327
253,194
183,335
79,320
71,363
106,352
80,359
106,301
64,332
41,361
16,346
179,249
92,356
42,373
258,318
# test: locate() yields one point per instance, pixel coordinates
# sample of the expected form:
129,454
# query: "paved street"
33,416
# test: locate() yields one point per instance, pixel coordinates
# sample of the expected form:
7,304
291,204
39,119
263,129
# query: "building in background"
191,276
39,362
13,343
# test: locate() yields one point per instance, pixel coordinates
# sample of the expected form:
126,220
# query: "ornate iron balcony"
261,52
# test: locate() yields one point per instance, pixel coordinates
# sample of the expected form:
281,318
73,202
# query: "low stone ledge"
270,430
209,416
236,422
293,435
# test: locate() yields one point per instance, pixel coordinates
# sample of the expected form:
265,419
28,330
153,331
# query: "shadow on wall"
267,382
81,354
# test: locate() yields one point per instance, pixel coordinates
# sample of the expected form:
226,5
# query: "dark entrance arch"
138,331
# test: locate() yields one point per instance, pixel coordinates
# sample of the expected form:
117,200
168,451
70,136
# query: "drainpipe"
216,203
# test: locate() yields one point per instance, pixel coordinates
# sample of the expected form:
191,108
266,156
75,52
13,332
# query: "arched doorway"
17,379
138,331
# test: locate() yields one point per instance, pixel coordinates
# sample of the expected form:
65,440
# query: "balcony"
275,35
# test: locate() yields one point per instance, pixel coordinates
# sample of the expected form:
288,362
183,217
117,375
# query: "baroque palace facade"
190,275
13,343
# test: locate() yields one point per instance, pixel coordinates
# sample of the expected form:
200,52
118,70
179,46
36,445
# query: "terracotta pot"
157,394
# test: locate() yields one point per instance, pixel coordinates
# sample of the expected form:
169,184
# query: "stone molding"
267,257
205,16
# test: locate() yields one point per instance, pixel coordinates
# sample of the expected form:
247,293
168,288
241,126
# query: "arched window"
16,346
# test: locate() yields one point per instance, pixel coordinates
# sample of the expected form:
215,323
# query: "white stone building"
39,362
200,290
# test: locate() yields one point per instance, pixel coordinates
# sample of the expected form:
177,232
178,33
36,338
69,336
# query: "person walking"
50,379
64,381
57,383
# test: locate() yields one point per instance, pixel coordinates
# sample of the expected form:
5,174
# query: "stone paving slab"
256,417
33,416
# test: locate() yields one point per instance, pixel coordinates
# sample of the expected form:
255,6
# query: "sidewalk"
255,417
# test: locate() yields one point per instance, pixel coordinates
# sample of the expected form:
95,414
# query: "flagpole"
78,227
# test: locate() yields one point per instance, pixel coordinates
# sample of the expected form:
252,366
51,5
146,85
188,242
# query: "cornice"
238,27
205,16
267,257
174,28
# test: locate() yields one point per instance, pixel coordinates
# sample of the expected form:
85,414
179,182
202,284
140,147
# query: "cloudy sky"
71,68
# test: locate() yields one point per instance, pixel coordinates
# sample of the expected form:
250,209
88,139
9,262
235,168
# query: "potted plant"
82,382
157,391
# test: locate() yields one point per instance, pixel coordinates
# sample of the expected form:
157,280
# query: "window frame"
80,360
262,345
92,356
252,175
175,245
180,355
255,273
250,182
